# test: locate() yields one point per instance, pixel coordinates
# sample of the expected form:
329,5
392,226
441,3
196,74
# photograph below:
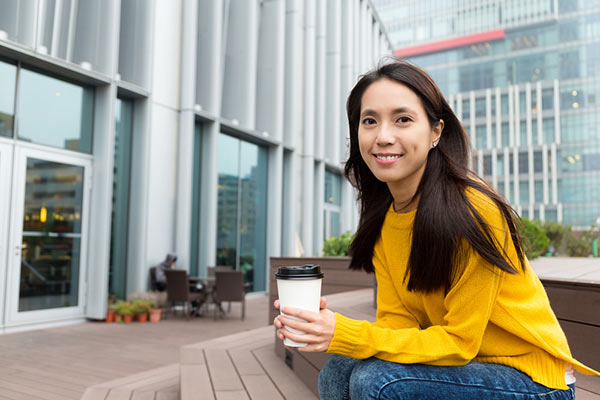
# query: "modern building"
128,129
524,77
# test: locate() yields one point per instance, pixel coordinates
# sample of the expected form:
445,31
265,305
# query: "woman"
460,313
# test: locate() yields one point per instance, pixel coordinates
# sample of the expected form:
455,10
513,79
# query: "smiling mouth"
388,157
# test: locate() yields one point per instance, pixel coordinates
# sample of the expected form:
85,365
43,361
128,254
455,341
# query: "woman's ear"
436,132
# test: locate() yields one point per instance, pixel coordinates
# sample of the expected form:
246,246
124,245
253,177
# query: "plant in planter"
111,313
126,311
154,313
141,308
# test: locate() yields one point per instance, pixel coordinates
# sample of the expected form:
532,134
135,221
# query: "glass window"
500,165
505,135
547,99
55,112
523,163
480,137
466,110
120,200
511,163
548,128
242,191
523,192
333,188
487,165
480,107
539,192
523,133
569,65
501,188
504,104
537,161
8,74
196,190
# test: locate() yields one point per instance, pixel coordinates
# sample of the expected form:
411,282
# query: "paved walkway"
576,268
60,363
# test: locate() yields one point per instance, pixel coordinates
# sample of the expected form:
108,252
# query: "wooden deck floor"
60,363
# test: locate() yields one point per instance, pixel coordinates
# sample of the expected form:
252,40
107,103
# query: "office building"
214,129
524,78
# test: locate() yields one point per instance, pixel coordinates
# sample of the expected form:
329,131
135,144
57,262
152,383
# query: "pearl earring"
434,144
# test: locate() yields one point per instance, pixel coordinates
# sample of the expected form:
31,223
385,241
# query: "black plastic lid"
307,271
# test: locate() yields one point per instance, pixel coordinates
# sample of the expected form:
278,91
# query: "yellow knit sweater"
488,315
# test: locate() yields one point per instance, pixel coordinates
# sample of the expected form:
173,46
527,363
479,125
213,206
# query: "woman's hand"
318,329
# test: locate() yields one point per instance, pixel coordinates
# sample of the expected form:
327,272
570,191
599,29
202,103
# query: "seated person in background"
161,278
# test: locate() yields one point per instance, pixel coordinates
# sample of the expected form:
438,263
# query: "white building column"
103,147
208,94
308,159
185,145
292,120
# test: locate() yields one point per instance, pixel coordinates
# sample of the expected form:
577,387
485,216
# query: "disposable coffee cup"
300,287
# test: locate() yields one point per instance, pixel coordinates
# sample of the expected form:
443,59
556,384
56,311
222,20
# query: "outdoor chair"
229,286
153,286
178,290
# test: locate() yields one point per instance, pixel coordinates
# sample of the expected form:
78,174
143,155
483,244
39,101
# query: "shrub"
141,306
558,235
580,244
338,246
535,241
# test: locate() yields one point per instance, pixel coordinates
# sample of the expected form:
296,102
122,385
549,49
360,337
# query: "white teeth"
387,158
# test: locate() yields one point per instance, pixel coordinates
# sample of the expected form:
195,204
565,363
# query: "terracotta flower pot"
111,316
142,317
127,318
155,314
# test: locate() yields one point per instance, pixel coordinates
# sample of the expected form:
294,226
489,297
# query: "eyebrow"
398,110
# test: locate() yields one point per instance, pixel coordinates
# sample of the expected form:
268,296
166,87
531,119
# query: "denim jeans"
343,378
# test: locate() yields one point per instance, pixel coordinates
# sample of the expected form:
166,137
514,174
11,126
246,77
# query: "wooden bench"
576,304
584,338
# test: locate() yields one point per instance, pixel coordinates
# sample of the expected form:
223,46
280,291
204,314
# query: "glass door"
5,182
48,232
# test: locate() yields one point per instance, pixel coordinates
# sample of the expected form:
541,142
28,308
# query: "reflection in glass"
54,112
196,187
51,235
120,202
253,201
8,74
241,229
228,167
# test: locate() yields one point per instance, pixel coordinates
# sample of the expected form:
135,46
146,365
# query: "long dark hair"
444,217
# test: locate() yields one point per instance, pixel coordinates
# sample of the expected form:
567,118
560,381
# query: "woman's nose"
385,135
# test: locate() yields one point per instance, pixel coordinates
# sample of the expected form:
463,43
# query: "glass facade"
54,112
51,235
120,202
332,204
197,184
8,79
242,207
544,67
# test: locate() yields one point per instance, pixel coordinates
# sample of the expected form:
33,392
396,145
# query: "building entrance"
44,204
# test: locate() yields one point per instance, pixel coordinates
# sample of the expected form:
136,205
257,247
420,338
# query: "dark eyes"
372,121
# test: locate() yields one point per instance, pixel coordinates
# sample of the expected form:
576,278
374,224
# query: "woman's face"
394,133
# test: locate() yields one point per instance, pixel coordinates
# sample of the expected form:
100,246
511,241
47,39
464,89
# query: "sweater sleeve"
468,306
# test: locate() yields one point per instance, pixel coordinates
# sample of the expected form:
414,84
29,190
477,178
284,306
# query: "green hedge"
338,246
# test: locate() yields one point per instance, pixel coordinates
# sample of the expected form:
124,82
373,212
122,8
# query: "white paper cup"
300,287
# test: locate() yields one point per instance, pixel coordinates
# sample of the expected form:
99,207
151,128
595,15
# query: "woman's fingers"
276,304
323,303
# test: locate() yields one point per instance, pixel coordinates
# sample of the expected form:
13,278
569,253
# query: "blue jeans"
343,378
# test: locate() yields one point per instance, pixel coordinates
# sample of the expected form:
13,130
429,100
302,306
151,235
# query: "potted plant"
141,308
111,313
154,312
125,310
